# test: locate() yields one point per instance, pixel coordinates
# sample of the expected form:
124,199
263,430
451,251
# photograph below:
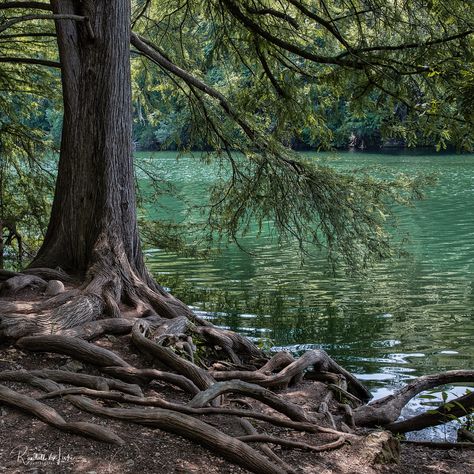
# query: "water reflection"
406,318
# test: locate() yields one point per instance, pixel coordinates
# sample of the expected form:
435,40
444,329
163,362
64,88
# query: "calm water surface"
406,318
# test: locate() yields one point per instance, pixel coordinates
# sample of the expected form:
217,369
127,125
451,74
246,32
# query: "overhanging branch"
251,25
28,35
403,46
152,52
20,19
275,13
39,62
30,5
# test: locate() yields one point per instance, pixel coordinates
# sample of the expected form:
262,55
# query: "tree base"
186,377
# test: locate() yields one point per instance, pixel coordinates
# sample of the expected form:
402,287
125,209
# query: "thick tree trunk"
93,231
94,203
1,244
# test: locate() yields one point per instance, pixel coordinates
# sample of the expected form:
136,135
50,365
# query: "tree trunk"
1,244
94,202
93,229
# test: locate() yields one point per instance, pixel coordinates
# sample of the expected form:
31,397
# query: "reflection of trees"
426,293
354,318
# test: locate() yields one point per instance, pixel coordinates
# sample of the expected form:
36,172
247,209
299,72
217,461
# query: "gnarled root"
115,300
189,427
457,408
386,410
53,418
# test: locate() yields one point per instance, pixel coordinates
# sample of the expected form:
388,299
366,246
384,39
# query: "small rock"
130,463
55,287
381,447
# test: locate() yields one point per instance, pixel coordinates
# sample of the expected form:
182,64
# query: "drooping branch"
278,88
13,21
35,61
275,13
399,47
28,35
251,25
321,21
152,52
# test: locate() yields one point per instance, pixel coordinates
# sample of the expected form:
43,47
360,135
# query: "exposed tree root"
146,375
465,435
457,408
250,429
169,358
292,444
71,378
97,329
201,362
386,410
294,412
53,418
20,282
50,274
73,347
186,409
189,427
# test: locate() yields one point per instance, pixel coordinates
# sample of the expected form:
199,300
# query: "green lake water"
406,318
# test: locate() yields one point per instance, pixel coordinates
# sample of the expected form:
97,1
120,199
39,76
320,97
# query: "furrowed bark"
71,378
294,412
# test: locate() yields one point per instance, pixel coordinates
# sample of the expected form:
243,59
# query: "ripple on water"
415,312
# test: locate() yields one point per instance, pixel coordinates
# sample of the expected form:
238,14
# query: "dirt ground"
27,445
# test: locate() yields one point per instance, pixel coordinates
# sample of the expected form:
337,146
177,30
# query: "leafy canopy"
245,78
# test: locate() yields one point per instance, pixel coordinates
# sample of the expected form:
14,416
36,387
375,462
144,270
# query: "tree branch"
40,62
154,54
28,35
235,11
321,21
279,89
30,5
14,21
403,46
275,13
